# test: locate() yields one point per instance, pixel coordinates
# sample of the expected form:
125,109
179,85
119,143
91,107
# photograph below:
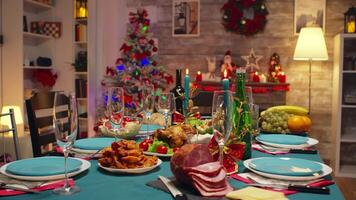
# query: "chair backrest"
204,101
40,119
12,129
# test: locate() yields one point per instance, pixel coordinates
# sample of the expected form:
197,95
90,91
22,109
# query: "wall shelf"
37,67
348,106
81,73
34,38
35,6
349,71
82,99
349,137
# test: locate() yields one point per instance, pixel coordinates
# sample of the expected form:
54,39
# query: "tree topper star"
252,61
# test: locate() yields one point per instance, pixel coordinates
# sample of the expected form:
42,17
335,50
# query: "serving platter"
131,171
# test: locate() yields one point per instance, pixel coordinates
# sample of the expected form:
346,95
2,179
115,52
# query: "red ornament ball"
154,49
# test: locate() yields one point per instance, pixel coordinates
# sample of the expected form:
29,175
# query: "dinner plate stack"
44,168
286,141
285,168
91,145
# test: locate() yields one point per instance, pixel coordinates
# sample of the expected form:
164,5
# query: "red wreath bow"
233,152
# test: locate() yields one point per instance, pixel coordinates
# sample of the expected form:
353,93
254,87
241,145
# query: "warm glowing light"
282,73
6,121
225,73
256,73
186,71
199,73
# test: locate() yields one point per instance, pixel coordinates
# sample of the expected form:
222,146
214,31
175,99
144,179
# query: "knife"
12,187
178,195
299,188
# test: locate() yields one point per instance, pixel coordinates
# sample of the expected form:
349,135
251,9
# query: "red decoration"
45,77
234,19
198,77
151,42
282,78
275,69
233,152
154,49
256,78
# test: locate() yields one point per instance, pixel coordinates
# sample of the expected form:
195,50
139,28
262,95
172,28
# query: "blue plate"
286,166
282,139
93,143
151,127
43,166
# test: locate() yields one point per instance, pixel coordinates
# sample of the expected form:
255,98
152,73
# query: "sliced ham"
209,184
211,193
209,169
210,187
209,179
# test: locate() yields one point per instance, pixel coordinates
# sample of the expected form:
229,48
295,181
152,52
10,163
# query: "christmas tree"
275,68
137,65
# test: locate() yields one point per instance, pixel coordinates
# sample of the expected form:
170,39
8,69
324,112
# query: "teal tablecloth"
98,184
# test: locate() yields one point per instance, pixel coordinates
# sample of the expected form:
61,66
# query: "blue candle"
226,86
186,91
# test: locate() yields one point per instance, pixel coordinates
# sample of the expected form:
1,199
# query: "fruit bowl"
130,127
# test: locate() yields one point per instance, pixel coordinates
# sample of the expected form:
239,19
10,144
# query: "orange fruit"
296,124
307,123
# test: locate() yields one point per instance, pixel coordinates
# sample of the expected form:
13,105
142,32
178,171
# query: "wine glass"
115,107
255,114
222,113
249,96
65,123
166,105
148,102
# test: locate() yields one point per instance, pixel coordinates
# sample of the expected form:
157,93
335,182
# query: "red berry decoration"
154,49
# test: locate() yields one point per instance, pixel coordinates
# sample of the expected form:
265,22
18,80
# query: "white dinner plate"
83,151
86,165
157,154
326,170
310,142
131,171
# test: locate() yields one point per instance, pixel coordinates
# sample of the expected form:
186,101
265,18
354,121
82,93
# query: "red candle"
198,77
256,78
282,78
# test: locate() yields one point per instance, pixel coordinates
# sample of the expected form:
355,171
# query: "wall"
277,37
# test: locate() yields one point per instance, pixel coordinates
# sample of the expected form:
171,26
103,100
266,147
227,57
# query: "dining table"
96,183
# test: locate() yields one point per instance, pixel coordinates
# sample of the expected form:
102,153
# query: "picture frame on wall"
186,18
307,13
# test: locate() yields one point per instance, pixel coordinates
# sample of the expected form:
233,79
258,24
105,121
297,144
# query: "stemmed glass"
65,123
148,102
222,113
115,107
166,105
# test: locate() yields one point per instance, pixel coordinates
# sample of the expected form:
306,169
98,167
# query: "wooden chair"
12,129
40,119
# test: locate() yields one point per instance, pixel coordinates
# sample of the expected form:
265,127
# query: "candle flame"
282,73
256,73
225,73
199,72
187,71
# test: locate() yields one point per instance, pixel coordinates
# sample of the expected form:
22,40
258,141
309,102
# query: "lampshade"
311,45
6,119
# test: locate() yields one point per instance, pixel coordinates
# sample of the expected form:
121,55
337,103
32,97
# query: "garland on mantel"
245,17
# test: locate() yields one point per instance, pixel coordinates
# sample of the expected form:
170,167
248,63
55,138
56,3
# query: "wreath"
246,17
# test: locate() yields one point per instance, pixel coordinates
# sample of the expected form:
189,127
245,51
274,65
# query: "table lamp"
311,46
6,126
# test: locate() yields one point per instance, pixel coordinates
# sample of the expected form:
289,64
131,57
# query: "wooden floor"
347,186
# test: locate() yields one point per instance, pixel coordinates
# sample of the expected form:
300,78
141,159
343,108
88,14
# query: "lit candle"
351,27
256,78
263,78
282,78
199,77
226,85
186,91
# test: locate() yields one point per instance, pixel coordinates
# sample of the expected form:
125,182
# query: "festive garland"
246,17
